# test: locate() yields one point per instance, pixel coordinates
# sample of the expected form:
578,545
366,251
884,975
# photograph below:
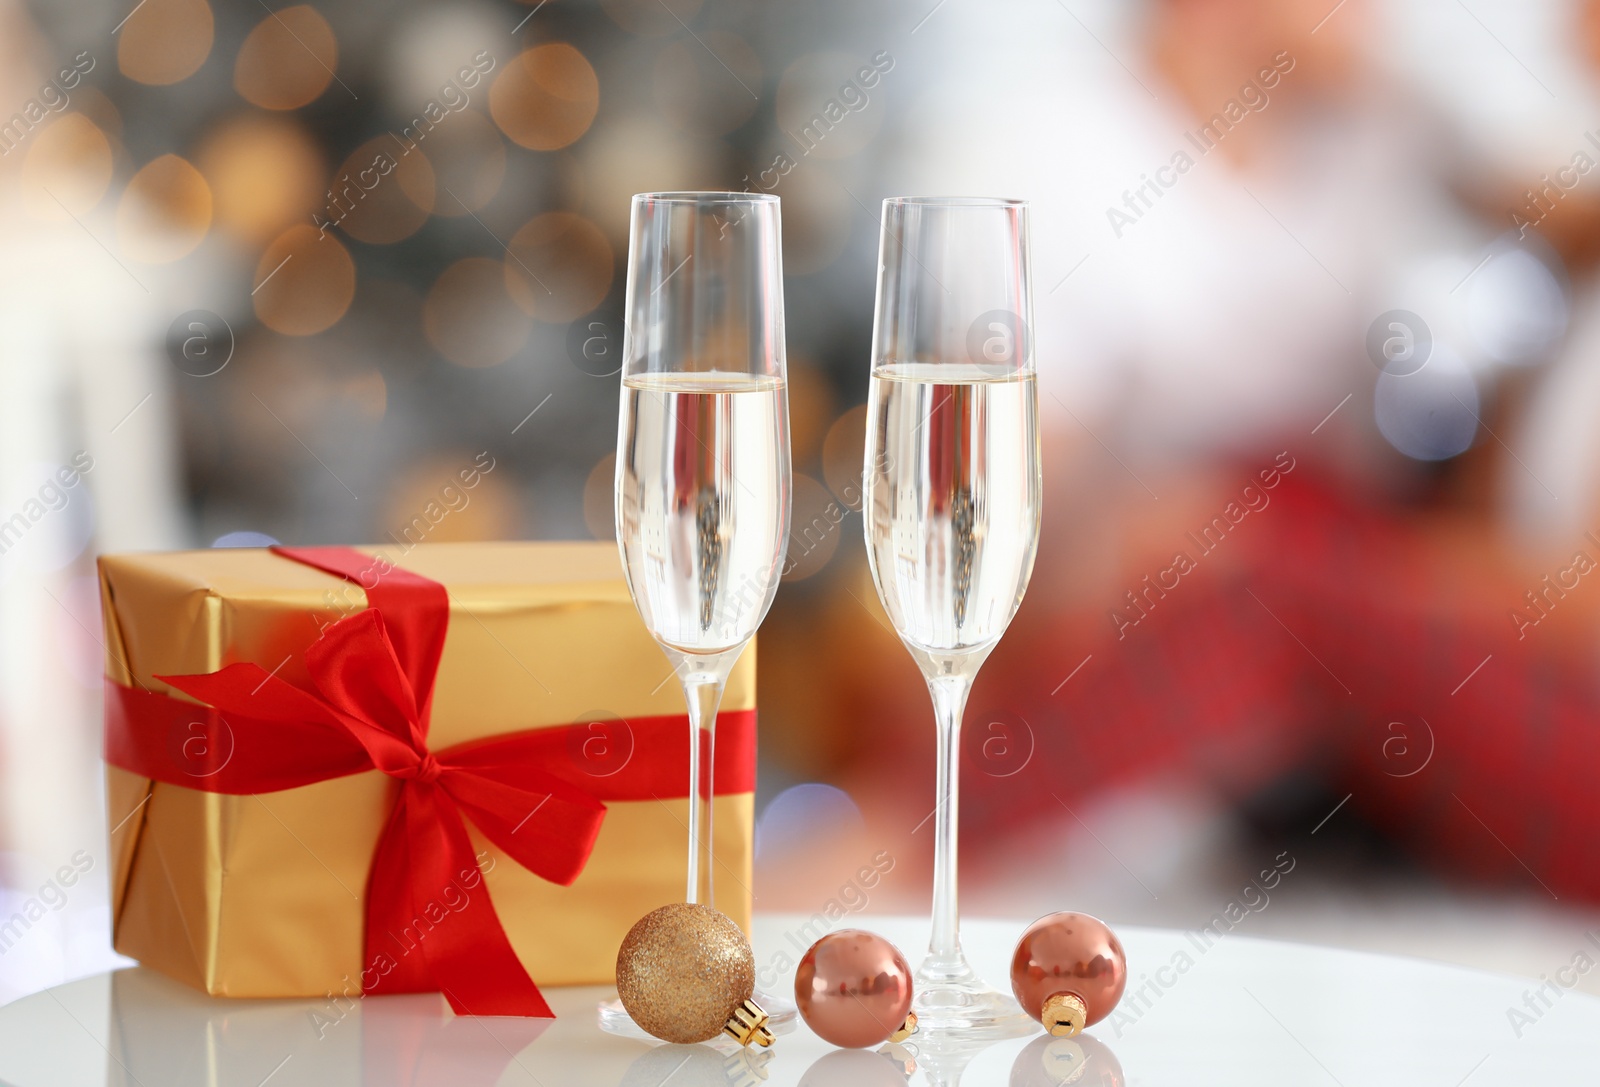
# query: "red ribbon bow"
373,675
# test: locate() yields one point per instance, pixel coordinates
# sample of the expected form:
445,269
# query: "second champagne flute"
703,451
952,504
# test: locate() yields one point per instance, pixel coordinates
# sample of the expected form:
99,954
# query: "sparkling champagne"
952,499
703,503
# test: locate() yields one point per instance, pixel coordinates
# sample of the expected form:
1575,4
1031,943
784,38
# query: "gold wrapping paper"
263,896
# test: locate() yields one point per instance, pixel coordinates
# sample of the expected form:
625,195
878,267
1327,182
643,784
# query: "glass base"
782,1016
955,1004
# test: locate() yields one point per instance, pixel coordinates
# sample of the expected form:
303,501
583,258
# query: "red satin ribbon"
531,793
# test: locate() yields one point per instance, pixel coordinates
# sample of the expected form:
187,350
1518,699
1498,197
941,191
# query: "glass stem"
703,693
944,947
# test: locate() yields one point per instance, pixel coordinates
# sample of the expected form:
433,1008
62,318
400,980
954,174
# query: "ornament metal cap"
1063,1014
749,1024
906,1029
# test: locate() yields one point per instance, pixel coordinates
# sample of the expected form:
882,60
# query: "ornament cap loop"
749,1024
1063,1014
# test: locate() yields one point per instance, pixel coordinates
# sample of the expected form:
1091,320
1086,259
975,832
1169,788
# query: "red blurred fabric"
1315,625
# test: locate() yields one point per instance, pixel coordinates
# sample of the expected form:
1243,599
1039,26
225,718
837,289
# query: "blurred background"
1318,333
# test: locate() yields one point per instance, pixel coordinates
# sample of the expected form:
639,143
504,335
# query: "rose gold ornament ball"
1069,953
853,988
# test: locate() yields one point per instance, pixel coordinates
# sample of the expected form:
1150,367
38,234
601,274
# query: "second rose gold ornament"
1068,972
853,989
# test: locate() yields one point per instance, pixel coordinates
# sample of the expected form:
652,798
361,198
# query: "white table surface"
1241,1012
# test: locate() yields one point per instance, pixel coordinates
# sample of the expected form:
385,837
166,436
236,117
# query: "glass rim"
690,196
955,201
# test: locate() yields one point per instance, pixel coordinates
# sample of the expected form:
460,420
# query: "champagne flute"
952,504
703,477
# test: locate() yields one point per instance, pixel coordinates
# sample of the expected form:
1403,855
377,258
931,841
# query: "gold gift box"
264,895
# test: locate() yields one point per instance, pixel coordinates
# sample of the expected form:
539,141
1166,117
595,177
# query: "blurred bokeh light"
67,170
545,97
470,318
288,60
264,172
651,18
705,86
383,192
304,282
164,212
165,41
469,161
558,267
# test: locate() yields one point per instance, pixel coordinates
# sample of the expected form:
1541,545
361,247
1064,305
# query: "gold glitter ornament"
685,973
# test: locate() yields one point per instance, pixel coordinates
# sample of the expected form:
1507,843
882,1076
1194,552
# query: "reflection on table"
161,1031
1245,1012
164,1032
